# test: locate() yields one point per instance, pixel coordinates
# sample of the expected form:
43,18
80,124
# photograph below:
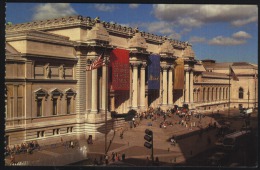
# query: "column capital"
165,68
135,64
143,66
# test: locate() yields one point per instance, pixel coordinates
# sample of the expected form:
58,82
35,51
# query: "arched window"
241,93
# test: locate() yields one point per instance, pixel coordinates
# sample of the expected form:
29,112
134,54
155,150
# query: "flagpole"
229,92
106,92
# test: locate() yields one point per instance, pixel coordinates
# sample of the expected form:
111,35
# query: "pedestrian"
106,158
101,160
123,156
147,161
12,159
95,161
113,156
157,161
119,157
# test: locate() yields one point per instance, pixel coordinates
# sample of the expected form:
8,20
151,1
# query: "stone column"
142,87
191,86
164,102
104,88
170,98
88,88
186,68
94,97
112,104
135,84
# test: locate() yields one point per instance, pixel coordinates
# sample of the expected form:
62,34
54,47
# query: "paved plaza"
132,145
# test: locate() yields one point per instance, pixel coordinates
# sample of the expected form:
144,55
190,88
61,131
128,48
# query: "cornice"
80,21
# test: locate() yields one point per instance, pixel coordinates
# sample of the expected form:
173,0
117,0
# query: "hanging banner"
119,61
179,74
154,72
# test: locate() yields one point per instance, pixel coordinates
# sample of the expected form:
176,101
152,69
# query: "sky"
225,33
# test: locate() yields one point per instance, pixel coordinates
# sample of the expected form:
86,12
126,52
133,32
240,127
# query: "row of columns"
213,95
167,87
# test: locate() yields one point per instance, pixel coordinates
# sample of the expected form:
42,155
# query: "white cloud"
52,10
196,39
134,6
241,34
220,40
105,8
197,15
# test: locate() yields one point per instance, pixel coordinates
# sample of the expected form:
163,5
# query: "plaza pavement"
132,145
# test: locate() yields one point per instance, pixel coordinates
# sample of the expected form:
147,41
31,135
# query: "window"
241,93
40,94
40,134
39,107
69,129
54,106
70,95
55,95
56,131
68,105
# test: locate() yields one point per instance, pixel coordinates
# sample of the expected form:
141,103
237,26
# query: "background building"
50,94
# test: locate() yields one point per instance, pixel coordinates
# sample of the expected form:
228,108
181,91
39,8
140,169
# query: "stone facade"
50,94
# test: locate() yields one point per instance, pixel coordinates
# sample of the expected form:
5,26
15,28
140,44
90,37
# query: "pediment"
98,33
40,91
138,41
167,48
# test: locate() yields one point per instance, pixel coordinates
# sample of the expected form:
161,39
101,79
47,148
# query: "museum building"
52,92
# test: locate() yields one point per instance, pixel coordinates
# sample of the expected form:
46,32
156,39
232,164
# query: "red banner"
120,69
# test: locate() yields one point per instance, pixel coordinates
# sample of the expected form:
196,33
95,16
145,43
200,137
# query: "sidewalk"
131,145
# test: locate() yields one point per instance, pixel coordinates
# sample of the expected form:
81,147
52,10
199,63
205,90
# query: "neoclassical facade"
50,94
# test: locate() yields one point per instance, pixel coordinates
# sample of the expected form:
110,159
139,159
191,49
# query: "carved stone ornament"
188,52
70,93
47,71
62,72
137,41
56,93
40,93
166,48
98,33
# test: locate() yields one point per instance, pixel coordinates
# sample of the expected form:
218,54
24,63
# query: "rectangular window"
39,107
57,131
71,128
54,108
68,129
40,134
53,131
68,105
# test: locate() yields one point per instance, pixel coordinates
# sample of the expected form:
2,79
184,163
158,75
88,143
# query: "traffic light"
149,139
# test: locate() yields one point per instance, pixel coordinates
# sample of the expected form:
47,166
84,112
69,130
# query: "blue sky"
226,33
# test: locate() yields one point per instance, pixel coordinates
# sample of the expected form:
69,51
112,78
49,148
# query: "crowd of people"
154,114
28,147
